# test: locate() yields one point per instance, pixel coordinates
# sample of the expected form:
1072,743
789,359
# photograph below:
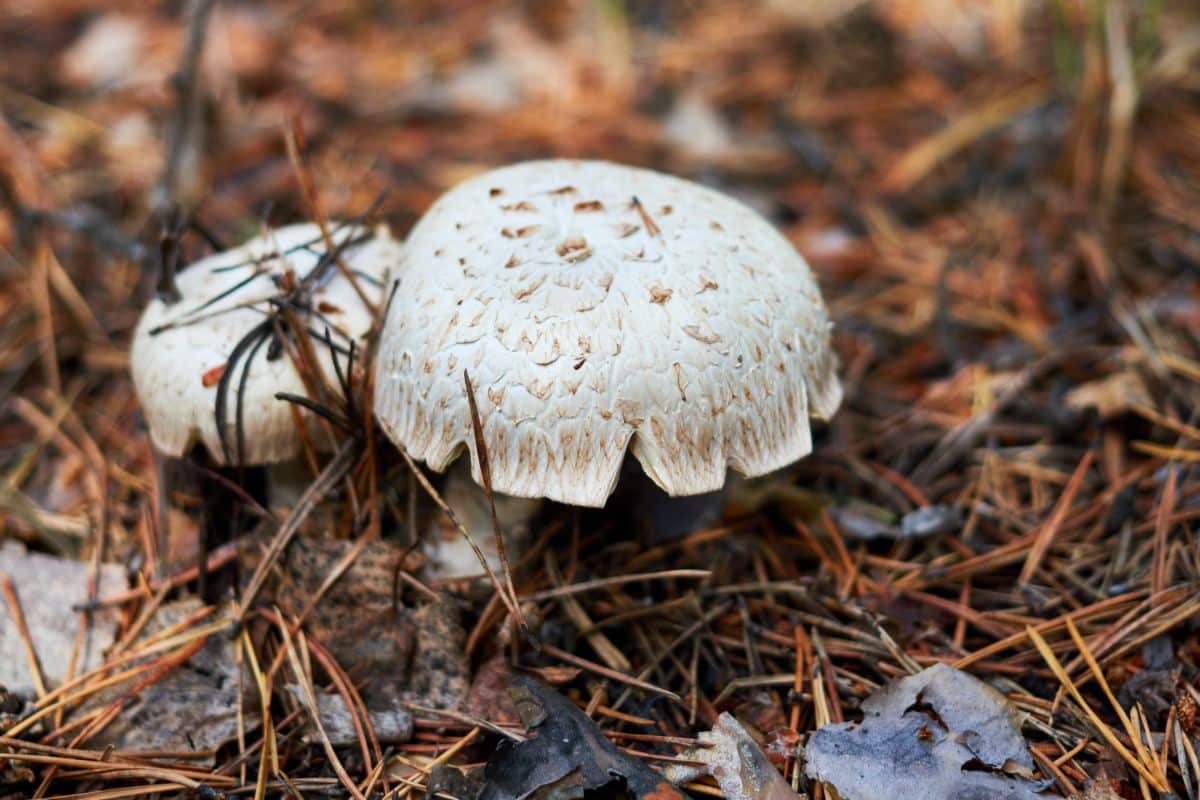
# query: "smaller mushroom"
219,337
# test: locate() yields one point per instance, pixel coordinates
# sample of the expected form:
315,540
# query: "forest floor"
1001,203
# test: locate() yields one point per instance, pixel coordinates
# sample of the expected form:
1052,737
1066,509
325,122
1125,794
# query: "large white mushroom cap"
595,307
180,350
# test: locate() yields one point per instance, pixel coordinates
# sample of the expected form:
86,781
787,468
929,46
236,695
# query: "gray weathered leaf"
938,735
192,707
392,723
48,589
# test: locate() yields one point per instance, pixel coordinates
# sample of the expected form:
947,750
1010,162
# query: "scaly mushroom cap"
180,350
594,305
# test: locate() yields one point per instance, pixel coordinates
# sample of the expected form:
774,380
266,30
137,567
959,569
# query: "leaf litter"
998,201
566,756
740,767
938,735
197,706
48,590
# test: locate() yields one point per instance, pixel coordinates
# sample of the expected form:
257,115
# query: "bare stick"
329,477
183,139
485,471
18,616
509,602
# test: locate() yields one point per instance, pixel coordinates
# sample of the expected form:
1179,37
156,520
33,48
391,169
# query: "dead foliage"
1000,202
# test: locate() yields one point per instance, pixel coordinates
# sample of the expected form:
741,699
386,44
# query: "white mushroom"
449,555
181,350
598,307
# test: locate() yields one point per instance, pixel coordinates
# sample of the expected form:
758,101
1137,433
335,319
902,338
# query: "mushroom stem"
286,482
658,516
168,256
222,515
669,518
450,556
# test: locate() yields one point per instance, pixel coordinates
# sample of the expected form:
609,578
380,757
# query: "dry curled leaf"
938,735
488,698
741,768
567,757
